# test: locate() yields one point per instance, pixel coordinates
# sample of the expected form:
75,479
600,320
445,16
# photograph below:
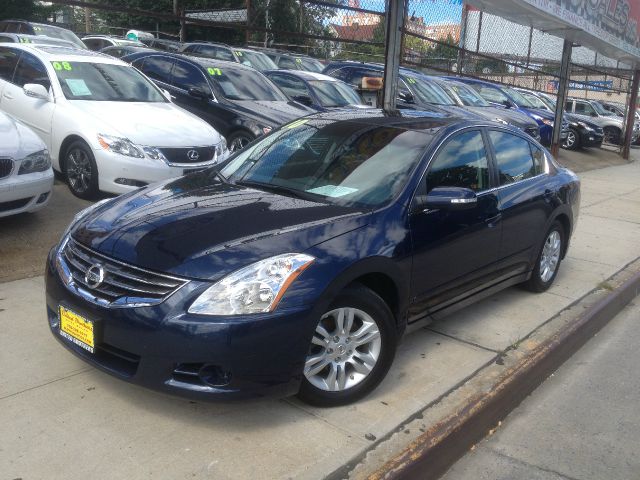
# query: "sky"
433,11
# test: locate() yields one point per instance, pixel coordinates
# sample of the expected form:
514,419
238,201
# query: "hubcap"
571,139
78,170
238,143
344,349
550,256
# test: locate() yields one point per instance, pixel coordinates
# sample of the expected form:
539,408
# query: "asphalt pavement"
582,423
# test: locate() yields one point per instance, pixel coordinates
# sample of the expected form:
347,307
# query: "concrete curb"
433,452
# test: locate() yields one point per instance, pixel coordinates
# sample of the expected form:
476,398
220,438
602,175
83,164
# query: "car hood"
17,140
271,113
197,227
153,124
513,117
601,121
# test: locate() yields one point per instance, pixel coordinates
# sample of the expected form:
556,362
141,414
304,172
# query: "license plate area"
77,329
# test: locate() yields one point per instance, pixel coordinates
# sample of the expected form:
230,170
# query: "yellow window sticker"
62,66
298,60
239,53
214,71
411,80
297,123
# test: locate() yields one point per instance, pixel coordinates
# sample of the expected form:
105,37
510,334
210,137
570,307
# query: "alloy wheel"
345,348
238,143
550,256
571,140
79,170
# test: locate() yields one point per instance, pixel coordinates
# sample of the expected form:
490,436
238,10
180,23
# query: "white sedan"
107,126
26,177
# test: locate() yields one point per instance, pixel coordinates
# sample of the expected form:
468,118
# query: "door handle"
8,96
493,221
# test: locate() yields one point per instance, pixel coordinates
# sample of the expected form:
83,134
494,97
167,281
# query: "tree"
24,9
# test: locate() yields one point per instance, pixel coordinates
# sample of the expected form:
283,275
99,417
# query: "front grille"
6,167
122,284
186,155
14,204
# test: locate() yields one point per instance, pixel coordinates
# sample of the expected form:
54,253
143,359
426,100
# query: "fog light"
214,375
43,197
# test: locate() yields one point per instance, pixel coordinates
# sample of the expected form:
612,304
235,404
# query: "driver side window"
462,162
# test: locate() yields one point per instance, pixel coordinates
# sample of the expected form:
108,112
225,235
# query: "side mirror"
35,90
448,198
405,96
167,95
303,99
198,93
508,104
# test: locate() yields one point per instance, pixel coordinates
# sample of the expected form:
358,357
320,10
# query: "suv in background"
31,28
594,112
98,42
238,101
218,51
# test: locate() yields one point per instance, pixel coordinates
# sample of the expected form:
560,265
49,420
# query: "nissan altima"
296,265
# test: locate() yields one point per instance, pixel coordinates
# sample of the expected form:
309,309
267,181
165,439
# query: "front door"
455,251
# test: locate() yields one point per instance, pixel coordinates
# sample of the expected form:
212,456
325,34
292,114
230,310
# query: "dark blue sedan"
297,265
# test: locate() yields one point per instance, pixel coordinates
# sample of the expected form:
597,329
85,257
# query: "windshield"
427,92
346,163
467,96
535,101
601,110
104,82
310,64
334,94
256,60
520,100
61,33
551,104
244,84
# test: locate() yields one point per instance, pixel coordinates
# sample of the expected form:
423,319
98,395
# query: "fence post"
393,42
563,83
631,115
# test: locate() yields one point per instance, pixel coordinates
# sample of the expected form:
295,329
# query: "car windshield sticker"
298,60
332,190
62,66
411,80
238,53
297,123
78,87
214,71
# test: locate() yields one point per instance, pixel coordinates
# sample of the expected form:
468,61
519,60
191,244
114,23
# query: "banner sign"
617,22
593,86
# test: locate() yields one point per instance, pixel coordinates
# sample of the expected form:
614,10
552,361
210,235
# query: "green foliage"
24,9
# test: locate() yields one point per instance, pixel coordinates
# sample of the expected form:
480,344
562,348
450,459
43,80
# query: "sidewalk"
583,423
63,419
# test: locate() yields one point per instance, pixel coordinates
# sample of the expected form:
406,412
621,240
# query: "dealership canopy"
610,27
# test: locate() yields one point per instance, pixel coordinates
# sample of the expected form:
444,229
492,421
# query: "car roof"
304,75
202,61
60,53
215,44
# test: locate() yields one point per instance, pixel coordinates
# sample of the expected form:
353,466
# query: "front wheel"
549,258
81,171
238,140
612,135
572,141
351,351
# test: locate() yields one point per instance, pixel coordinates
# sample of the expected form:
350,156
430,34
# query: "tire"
572,141
548,260
238,140
611,135
337,373
81,171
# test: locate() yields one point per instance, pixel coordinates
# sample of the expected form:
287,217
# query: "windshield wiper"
287,191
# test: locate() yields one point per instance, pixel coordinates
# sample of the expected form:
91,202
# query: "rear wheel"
351,350
81,171
549,258
611,135
238,140
572,141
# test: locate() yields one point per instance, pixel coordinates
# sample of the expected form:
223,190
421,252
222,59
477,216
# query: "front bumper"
590,139
164,348
25,193
122,174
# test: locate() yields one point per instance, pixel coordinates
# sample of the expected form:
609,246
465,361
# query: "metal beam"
394,24
563,83
631,112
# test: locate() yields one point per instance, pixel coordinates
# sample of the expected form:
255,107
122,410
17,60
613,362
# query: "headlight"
585,126
266,129
252,289
120,145
36,162
221,149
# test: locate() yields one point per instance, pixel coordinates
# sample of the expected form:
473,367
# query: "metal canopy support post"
631,112
392,51
562,96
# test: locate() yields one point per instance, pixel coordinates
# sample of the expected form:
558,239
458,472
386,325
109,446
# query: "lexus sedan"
297,265
106,126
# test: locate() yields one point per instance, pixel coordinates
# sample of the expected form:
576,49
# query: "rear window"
514,157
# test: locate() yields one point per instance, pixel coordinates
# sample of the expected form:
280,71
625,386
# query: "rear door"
455,251
525,199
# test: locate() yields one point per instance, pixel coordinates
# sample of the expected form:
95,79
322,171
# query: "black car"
320,92
239,102
161,44
120,51
32,28
298,265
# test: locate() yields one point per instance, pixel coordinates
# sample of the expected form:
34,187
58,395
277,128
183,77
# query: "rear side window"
8,62
158,68
211,51
569,105
584,108
514,157
291,86
359,73
539,162
11,27
187,76
462,162
287,63
31,70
